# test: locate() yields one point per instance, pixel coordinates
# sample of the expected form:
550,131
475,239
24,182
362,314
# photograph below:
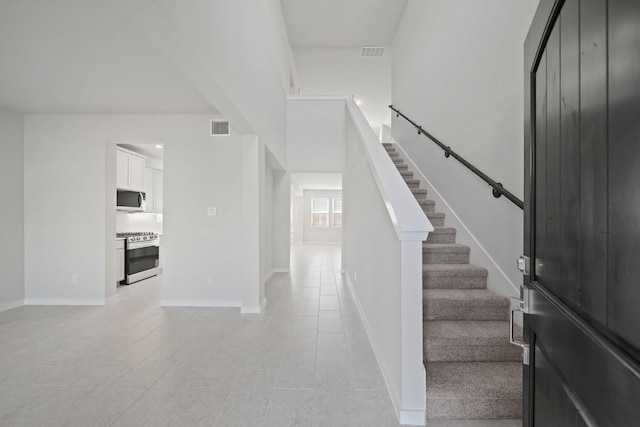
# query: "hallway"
306,361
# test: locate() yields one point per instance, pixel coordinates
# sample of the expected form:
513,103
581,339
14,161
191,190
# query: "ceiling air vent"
372,51
219,127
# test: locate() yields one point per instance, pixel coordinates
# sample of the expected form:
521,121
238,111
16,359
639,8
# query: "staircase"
472,370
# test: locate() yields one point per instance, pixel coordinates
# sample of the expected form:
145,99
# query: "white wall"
311,235
315,135
269,222
200,173
65,156
11,209
240,47
281,224
296,235
458,72
342,71
383,232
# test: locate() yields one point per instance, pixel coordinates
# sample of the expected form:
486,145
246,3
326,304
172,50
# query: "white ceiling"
312,23
79,56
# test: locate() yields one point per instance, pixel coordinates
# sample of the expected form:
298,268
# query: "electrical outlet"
210,280
74,279
212,211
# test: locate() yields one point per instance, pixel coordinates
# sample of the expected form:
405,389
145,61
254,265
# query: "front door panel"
582,214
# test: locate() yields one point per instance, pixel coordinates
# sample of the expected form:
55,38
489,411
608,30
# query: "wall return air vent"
372,51
219,127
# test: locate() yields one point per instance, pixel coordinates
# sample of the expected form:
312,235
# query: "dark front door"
582,214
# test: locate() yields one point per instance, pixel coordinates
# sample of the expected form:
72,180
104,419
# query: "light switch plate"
211,211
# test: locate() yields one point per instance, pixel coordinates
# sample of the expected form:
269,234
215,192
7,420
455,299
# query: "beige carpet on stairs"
472,370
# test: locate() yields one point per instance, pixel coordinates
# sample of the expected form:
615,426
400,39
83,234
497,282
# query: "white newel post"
413,372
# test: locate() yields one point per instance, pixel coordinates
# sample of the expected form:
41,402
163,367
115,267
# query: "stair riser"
445,258
442,281
412,184
406,174
397,161
471,353
427,206
437,237
454,310
402,167
419,194
474,408
393,154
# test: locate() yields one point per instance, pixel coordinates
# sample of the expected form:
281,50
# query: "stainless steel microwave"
131,201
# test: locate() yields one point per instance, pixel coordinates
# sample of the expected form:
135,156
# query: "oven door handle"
141,245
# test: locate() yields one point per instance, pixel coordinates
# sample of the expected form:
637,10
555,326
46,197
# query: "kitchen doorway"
139,175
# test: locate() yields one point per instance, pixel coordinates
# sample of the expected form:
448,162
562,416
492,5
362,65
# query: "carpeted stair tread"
427,205
472,370
469,340
463,304
474,390
453,276
445,253
436,218
442,235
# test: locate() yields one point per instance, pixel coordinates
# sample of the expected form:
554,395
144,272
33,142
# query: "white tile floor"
305,361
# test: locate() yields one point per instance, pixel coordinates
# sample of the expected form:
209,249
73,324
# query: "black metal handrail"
498,189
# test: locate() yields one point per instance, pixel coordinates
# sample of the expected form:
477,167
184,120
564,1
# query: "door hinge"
523,264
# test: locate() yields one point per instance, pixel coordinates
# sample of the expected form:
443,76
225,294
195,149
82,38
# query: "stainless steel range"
142,256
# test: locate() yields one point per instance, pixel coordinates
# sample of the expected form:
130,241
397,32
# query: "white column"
281,220
413,372
251,223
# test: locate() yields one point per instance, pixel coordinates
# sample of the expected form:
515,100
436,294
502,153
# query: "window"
336,218
320,212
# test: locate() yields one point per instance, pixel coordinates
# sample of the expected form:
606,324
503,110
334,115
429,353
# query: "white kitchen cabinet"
153,180
158,187
120,260
122,169
150,201
130,170
136,172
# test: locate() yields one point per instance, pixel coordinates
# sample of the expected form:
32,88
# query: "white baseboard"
199,303
411,417
504,285
254,310
63,301
13,304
